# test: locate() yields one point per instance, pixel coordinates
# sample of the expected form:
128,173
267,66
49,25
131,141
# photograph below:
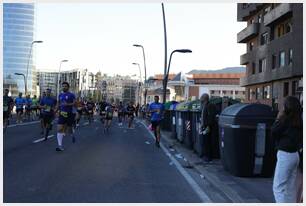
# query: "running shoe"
60,149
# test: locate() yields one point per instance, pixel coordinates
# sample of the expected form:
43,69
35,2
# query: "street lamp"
139,100
59,76
168,69
145,68
33,42
25,88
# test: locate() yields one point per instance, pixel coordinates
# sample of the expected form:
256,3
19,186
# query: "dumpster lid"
182,106
242,109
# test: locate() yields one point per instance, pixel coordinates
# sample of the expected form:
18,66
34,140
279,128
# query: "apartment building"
274,51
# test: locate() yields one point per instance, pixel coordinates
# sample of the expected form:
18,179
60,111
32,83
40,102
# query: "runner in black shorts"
66,117
103,105
7,108
109,117
156,109
47,104
130,109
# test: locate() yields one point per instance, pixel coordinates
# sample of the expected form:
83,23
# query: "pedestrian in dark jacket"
287,132
208,127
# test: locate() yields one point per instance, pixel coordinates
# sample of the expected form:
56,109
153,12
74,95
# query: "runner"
8,104
120,113
130,110
102,106
80,108
41,115
47,105
156,109
109,116
66,118
35,105
19,102
90,105
28,106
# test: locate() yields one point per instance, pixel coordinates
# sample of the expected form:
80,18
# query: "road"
123,166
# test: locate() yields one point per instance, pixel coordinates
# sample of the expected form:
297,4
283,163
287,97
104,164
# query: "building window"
258,93
280,30
290,56
294,87
236,92
288,27
251,45
259,18
251,94
262,65
212,91
286,89
273,61
281,59
266,94
243,92
253,68
264,38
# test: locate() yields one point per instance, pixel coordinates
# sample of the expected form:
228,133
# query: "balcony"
247,33
277,13
244,59
245,10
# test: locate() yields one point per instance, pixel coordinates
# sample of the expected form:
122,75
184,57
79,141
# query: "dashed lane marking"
22,124
42,139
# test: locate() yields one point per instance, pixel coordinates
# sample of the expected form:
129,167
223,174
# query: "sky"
100,36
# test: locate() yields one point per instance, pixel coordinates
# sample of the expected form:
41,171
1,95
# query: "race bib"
79,108
48,109
64,114
5,108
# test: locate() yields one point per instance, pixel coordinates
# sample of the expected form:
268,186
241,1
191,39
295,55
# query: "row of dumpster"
241,138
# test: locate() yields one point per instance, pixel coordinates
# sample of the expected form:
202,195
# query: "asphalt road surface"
120,166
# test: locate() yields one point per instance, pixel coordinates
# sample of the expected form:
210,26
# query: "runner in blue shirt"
156,109
19,102
66,117
47,105
28,107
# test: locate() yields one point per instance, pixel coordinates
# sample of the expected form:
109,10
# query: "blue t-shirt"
28,102
67,97
49,102
19,101
156,116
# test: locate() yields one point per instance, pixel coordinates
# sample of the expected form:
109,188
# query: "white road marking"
42,139
202,195
22,124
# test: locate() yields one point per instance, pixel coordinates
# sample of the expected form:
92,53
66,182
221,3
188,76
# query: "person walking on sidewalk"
156,109
287,131
208,126
66,117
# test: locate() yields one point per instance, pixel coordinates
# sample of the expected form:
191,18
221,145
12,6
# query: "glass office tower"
18,34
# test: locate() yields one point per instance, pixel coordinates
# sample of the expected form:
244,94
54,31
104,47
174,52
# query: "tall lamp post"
145,68
139,83
59,76
168,69
25,87
26,81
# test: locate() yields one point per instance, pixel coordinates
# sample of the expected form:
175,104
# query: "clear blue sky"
100,36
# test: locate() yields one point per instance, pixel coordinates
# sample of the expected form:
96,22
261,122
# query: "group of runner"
70,110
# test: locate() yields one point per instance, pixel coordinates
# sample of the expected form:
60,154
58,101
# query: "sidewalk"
231,188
